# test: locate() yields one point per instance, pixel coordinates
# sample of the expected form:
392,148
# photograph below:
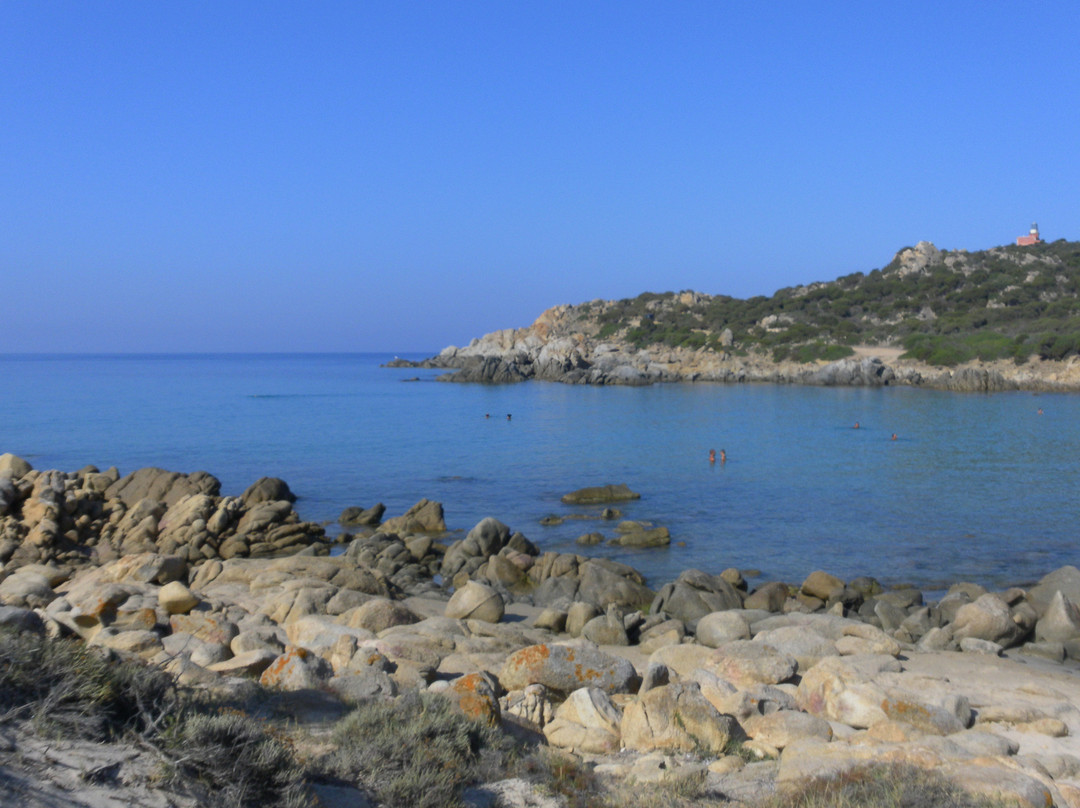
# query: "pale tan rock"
379,614
676,718
838,691
1060,622
717,628
684,658
747,662
141,643
784,727
821,585
987,777
476,601
806,647
248,663
176,598
987,618
296,669
587,722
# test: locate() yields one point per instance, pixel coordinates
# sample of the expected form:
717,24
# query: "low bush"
69,689
879,786
413,751
234,756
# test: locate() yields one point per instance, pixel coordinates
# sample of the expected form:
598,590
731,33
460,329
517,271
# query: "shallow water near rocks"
976,487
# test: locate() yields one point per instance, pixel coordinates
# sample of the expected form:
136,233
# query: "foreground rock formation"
752,689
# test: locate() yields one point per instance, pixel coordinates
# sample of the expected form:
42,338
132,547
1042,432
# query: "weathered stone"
842,689
474,695
586,722
13,466
770,597
695,594
267,489
175,598
564,668
784,727
1064,579
296,669
717,628
250,663
606,629
26,589
676,718
426,516
476,601
747,662
380,614
806,647
551,619
1060,621
987,618
821,585
600,494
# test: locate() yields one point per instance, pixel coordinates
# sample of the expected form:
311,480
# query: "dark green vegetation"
942,307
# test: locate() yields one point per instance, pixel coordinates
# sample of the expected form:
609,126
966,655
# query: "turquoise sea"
976,487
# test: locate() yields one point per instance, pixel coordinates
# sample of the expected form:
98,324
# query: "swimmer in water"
856,425
507,416
1040,411
723,457
893,436
712,455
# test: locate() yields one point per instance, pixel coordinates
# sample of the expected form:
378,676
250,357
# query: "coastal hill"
1002,318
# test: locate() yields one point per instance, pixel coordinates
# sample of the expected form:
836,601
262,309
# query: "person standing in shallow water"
712,455
723,457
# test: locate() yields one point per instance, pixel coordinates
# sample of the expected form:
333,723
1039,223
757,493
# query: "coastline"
556,348
784,681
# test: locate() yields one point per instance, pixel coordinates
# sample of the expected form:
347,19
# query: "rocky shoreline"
559,347
751,689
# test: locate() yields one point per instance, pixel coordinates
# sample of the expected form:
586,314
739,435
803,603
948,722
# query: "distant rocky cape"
563,346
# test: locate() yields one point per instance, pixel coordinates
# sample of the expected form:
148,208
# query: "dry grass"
880,786
414,751
67,690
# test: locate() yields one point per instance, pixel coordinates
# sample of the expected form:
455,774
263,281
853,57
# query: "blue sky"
208,176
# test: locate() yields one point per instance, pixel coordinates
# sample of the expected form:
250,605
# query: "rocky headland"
558,348
968,316
748,689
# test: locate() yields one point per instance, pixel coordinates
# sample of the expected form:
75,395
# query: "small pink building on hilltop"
1031,238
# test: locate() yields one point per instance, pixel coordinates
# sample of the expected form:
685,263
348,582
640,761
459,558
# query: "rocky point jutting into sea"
749,688
609,342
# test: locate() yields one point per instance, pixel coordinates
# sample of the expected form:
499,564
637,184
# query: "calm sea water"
977,487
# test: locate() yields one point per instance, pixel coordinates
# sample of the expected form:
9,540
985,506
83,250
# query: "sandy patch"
885,353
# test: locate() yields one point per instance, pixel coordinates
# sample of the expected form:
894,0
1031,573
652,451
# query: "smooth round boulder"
476,601
717,628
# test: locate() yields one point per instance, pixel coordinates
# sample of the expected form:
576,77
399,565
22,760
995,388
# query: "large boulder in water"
13,466
600,494
426,516
267,489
